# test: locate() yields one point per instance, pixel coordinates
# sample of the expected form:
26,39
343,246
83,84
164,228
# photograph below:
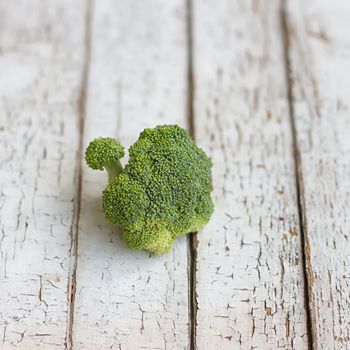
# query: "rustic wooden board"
250,290
127,299
71,71
41,62
319,45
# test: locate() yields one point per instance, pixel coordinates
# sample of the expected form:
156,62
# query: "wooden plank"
250,290
320,60
128,299
41,63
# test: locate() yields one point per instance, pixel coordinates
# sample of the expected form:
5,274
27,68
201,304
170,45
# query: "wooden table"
264,87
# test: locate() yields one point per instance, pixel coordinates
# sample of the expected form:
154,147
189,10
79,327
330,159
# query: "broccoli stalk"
113,170
162,193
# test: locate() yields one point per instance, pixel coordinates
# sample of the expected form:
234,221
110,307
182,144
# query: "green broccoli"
162,193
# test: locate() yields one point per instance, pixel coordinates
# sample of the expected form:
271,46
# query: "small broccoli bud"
104,153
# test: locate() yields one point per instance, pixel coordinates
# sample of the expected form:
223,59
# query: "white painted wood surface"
41,60
128,299
74,70
249,288
320,61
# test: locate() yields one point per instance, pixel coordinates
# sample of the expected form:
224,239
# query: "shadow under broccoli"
162,193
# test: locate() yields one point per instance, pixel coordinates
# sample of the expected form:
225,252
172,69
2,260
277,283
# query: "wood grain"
129,299
250,290
319,45
112,68
41,62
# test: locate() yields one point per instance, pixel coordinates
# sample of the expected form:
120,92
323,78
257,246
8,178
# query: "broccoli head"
162,193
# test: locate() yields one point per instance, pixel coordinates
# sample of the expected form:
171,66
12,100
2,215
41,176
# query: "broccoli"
162,193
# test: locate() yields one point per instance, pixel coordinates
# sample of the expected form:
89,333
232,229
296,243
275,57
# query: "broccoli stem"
113,170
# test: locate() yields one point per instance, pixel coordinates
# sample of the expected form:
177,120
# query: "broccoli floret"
104,153
162,193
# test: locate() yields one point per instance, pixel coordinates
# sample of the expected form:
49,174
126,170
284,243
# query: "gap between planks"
81,112
297,169
192,238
